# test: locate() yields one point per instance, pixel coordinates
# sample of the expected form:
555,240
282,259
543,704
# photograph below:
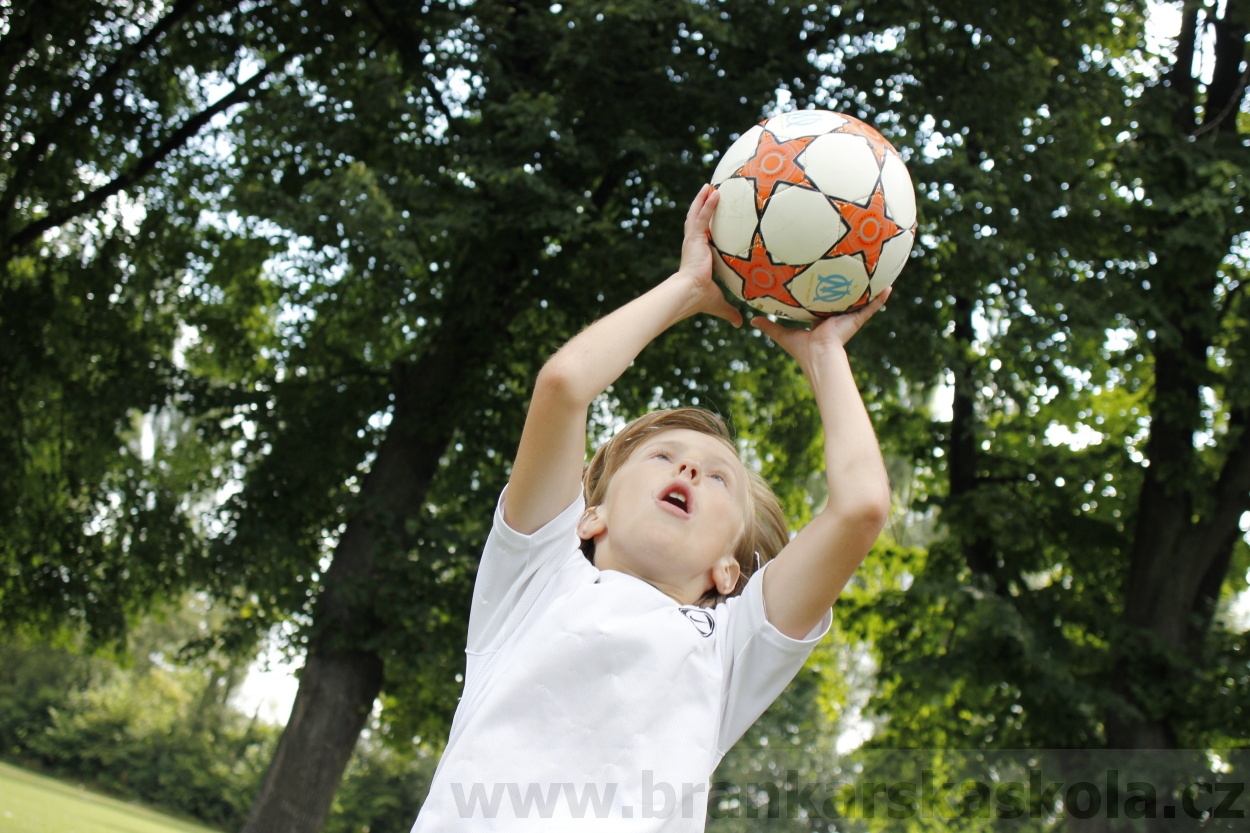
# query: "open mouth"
677,497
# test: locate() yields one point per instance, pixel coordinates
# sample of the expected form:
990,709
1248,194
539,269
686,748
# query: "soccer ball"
817,215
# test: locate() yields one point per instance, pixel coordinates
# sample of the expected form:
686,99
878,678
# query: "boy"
601,696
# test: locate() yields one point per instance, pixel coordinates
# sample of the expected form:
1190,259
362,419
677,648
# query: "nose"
690,468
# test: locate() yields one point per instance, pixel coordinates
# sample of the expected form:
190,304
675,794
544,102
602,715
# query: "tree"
108,260
1195,491
101,105
1082,277
1085,261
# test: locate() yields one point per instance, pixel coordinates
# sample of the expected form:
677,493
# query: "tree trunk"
1170,555
336,694
964,457
1186,522
341,678
342,675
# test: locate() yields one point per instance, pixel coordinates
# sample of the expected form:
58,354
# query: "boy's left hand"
806,346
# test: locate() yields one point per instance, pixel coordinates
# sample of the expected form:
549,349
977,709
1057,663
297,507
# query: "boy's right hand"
696,260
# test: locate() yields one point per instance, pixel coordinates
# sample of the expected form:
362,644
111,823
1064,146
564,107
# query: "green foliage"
381,791
155,724
1083,271
139,738
99,230
33,682
145,725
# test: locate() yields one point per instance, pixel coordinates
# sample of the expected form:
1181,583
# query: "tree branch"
26,167
140,169
1232,489
1180,75
401,34
1228,85
126,57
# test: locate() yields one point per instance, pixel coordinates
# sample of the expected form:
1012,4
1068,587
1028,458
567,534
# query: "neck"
685,592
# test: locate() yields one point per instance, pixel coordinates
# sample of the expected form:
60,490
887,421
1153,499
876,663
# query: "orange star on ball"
870,229
774,164
761,277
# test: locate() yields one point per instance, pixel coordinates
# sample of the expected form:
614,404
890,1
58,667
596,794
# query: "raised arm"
810,572
546,475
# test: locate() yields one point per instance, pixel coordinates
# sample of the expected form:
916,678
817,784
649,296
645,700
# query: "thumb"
784,336
727,311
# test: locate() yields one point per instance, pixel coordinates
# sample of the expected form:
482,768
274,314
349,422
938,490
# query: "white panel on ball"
894,256
737,155
799,225
731,279
733,224
842,165
803,123
831,285
900,196
774,307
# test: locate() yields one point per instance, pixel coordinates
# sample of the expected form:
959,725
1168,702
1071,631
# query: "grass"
31,803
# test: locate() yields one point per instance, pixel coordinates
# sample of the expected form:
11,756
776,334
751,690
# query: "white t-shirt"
593,701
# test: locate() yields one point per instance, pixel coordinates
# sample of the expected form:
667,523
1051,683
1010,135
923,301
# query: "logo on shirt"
701,619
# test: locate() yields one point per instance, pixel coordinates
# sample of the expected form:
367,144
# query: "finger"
728,311
696,205
857,317
851,322
709,204
702,220
870,309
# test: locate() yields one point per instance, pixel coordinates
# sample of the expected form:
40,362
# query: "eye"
662,455
719,478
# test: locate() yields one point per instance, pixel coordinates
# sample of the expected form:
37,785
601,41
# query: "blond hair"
765,532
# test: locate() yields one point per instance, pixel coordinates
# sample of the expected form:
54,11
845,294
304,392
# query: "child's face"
674,510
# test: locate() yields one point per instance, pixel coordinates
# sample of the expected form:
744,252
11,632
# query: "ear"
725,574
592,523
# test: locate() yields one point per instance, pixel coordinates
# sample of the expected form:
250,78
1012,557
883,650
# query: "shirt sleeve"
760,661
515,570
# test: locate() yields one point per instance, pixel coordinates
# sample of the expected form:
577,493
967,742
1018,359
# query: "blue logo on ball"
832,288
803,118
